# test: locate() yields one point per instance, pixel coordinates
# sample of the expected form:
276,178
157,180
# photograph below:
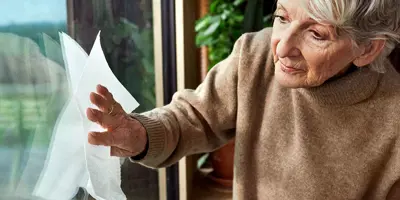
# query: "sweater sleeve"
394,193
195,121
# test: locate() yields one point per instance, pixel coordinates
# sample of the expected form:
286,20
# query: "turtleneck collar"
356,86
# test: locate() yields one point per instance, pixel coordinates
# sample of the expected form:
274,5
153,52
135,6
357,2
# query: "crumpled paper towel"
72,162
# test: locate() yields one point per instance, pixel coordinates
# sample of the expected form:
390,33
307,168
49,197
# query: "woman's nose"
288,45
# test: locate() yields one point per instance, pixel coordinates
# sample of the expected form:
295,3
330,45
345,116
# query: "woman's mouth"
289,69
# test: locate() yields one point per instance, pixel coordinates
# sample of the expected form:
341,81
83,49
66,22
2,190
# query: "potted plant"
218,30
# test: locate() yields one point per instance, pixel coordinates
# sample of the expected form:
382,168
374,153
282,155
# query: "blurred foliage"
226,21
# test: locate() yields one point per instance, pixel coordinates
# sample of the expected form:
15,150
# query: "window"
34,86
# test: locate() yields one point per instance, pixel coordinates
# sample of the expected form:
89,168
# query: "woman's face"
306,53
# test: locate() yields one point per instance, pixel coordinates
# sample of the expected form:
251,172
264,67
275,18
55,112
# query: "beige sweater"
338,141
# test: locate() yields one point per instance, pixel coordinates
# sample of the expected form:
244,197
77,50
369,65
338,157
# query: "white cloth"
72,162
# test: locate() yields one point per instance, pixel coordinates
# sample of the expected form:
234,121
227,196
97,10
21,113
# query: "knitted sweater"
336,141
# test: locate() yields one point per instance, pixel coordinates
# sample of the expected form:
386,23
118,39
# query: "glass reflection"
32,90
34,87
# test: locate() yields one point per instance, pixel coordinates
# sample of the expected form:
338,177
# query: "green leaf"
224,6
213,6
202,24
200,38
224,24
204,41
212,28
215,18
238,18
225,14
238,2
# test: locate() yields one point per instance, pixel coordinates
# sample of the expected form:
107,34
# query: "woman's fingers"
101,138
103,91
92,115
105,101
100,102
103,119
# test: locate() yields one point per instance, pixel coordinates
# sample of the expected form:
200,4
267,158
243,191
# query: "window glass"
34,86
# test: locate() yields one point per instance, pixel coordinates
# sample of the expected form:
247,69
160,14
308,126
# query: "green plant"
219,29
225,23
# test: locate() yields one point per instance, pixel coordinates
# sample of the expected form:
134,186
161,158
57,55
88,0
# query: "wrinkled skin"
311,48
125,135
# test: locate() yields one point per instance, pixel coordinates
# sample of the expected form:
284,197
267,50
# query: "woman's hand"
125,135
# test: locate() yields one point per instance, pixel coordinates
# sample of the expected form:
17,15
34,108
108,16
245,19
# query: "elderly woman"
313,104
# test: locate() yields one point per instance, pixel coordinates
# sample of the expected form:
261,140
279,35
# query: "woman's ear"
370,52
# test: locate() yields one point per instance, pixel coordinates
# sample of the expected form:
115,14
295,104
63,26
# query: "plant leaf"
213,6
238,2
202,23
212,28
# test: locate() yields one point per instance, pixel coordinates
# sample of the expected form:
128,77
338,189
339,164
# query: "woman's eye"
280,18
316,35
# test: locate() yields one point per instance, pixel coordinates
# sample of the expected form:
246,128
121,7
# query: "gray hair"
363,20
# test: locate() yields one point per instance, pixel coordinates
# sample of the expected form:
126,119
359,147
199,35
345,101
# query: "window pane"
127,40
34,88
31,74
